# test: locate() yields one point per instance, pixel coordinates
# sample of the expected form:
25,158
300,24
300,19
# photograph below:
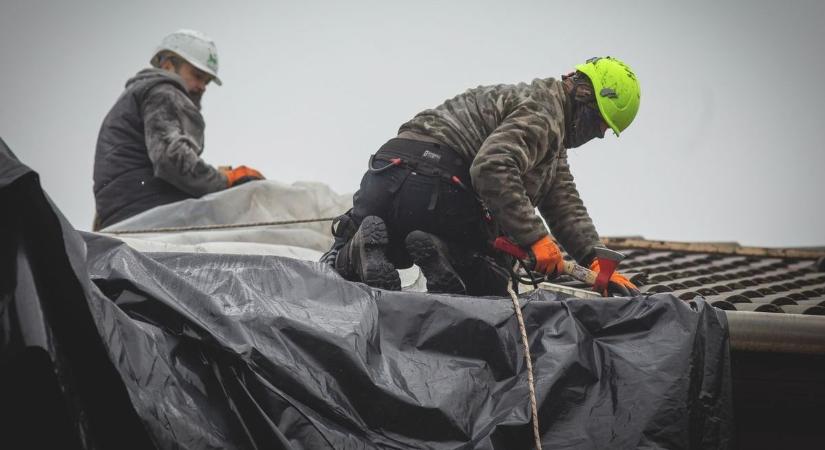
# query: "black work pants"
424,196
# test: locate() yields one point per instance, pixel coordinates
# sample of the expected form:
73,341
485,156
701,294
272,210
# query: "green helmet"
616,88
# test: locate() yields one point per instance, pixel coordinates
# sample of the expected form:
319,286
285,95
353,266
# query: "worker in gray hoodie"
150,143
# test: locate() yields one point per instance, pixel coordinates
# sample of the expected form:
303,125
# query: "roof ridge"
726,248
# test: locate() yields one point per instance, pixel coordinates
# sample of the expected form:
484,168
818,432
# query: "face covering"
586,125
585,122
196,98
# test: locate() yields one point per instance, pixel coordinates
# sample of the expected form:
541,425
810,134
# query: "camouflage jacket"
513,135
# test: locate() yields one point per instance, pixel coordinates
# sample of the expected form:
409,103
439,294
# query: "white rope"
218,226
530,382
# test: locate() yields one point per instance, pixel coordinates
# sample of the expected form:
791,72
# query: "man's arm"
173,129
567,217
512,149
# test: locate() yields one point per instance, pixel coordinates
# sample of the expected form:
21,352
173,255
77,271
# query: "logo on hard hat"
213,59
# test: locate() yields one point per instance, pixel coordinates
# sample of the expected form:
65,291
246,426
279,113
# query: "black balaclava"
585,120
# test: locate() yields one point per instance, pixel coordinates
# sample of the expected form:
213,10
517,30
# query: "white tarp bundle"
261,201
255,202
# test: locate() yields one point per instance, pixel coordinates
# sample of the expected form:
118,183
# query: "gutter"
776,333
754,331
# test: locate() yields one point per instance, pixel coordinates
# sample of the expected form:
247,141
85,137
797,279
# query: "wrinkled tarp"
255,202
258,202
185,350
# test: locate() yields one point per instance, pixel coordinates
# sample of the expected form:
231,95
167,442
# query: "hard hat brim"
194,63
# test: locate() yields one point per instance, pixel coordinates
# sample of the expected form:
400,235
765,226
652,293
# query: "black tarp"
106,347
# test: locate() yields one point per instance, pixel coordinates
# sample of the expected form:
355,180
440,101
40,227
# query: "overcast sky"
726,145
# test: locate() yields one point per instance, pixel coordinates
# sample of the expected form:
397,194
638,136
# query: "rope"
530,382
219,226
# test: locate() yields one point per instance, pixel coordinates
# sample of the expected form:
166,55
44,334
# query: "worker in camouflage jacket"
150,143
477,167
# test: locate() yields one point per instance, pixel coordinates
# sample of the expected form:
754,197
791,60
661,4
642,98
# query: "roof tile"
728,276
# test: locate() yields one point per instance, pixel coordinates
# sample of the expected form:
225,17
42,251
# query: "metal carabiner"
392,163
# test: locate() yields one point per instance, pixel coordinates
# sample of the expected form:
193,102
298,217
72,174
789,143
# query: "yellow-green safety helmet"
616,88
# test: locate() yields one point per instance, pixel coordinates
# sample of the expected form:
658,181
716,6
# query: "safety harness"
437,160
427,159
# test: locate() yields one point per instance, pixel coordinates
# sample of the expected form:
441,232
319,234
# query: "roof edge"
724,248
776,333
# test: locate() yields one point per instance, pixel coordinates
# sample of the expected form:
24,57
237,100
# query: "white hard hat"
193,46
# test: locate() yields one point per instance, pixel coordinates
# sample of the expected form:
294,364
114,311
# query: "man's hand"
240,175
625,287
548,256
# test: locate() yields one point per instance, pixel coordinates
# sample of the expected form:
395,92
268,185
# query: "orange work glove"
624,285
548,256
240,175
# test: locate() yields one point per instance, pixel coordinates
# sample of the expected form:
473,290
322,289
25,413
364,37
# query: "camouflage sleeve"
174,135
567,217
513,148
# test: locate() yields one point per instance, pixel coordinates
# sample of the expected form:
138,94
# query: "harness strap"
434,197
427,159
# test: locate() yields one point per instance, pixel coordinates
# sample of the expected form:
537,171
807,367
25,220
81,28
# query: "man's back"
465,121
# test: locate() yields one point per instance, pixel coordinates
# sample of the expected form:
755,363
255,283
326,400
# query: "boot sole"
377,270
440,274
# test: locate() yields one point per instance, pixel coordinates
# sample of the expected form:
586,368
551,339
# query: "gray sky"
725,146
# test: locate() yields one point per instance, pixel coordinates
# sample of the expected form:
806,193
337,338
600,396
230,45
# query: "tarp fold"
199,350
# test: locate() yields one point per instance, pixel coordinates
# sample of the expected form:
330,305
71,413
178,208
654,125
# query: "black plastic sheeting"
203,351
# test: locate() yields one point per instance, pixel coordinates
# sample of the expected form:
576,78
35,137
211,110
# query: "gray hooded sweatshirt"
148,150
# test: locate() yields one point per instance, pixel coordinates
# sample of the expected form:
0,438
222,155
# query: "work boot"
430,254
342,230
364,257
